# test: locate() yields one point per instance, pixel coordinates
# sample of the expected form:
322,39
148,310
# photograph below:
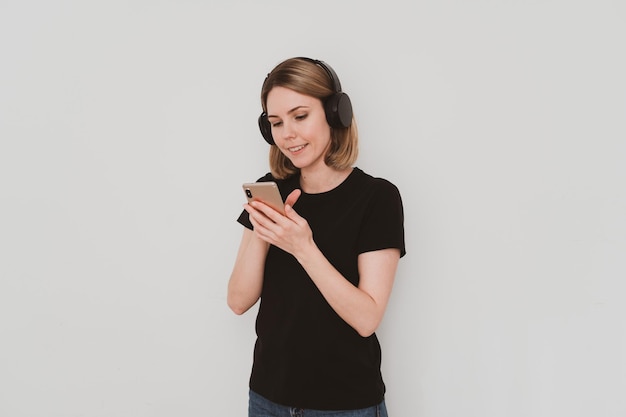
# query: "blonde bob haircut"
306,77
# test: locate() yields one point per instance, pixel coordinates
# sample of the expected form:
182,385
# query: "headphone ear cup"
338,108
266,129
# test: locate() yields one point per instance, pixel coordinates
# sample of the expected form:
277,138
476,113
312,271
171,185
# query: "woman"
324,271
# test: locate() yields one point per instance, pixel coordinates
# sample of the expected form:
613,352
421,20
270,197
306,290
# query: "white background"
127,128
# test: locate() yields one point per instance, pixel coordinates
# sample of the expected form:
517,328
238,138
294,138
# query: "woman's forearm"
361,307
246,279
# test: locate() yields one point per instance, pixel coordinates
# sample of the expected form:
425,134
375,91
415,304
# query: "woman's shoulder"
269,177
376,183
285,185
266,178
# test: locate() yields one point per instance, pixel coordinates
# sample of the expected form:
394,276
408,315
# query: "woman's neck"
322,180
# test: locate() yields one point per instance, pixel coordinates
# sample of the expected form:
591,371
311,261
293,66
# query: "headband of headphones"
337,107
331,72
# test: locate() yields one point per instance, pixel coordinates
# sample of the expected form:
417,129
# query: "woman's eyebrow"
290,111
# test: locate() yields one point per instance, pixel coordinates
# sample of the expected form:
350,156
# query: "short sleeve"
383,223
244,219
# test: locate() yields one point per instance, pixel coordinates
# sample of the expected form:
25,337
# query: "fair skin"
301,132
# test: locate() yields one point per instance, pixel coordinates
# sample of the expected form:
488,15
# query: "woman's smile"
296,149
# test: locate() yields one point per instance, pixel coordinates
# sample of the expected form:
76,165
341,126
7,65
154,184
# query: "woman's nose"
287,131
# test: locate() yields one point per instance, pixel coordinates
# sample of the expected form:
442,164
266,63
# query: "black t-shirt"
306,356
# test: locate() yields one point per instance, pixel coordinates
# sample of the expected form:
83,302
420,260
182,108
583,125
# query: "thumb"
293,197
291,214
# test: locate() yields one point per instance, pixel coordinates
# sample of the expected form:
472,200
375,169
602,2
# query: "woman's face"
299,127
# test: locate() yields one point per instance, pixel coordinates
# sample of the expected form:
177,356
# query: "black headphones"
337,107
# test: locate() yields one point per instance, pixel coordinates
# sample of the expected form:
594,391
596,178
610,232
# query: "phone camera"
248,193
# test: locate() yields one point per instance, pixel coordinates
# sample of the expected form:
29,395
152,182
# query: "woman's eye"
276,124
301,116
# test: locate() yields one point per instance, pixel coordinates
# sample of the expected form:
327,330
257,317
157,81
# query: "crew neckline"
346,180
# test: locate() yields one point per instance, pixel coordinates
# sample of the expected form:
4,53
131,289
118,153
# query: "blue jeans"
259,406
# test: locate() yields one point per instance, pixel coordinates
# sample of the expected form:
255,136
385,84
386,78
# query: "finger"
261,226
257,218
293,215
266,210
293,197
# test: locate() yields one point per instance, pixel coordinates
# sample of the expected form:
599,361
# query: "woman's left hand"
290,232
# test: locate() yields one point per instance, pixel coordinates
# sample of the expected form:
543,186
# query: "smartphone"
267,192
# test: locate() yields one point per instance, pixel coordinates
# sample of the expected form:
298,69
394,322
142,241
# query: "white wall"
127,127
